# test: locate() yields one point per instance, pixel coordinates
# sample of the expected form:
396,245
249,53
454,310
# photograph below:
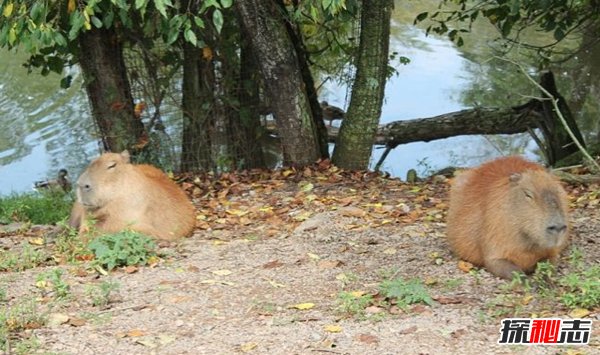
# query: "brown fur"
120,195
507,215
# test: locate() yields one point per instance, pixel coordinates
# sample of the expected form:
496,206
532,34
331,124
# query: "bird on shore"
61,182
331,113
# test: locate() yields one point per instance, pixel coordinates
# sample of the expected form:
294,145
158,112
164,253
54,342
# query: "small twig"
141,306
558,113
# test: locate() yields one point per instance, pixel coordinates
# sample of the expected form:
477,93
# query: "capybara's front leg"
502,268
77,217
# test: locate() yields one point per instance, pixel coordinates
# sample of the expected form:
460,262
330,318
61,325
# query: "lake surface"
44,128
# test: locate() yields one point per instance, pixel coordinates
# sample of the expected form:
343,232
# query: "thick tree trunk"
263,23
354,145
109,92
246,128
311,91
197,102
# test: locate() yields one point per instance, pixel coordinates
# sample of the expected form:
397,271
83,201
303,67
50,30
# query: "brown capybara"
507,215
119,195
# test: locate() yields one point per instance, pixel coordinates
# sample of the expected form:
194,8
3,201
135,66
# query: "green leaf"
198,21
160,6
226,3
140,3
420,17
96,21
218,20
190,36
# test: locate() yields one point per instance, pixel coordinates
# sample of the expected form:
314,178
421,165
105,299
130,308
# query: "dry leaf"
465,266
223,272
579,313
77,322
55,319
390,251
135,333
352,211
367,338
333,328
131,269
248,347
303,306
36,241
272,264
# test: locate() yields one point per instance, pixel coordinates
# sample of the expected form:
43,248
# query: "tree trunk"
465,122
109,92
197,102
354,145
311,91
246,128
263,23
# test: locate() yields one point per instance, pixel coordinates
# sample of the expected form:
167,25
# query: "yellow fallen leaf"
303,306
357,294
579,313
248,347
223,272
333,328
287,172
36,241
235,212
218,242
465,266
390,251
313,256
526,300
307,187
135,333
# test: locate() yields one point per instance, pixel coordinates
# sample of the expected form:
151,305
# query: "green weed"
405,292
100,294
122,249
353,303
52,281
17,318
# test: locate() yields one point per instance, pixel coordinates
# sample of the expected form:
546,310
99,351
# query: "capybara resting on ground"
120,195
507,215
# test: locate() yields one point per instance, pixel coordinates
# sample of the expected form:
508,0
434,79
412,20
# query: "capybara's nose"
556,229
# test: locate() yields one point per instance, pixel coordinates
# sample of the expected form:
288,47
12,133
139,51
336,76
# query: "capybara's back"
120,195
507,215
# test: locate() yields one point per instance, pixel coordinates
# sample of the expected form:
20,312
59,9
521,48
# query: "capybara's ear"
515,178
125,156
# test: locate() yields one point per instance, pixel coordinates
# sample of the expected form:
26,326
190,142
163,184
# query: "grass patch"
17,318
353,303
547,291
100,294
26,257
122,249
51,281
37,207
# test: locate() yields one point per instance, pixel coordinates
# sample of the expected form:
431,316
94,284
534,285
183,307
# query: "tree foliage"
48,30
511,18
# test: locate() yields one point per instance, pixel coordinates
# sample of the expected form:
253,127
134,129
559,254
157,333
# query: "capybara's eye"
528,194
112,165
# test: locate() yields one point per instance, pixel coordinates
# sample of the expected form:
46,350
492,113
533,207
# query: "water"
44,128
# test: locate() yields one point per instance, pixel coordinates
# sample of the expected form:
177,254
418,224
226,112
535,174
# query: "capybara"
119,195
507,215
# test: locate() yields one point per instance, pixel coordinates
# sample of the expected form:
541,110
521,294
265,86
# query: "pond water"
44,128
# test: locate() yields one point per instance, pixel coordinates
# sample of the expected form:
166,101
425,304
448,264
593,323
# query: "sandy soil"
232,286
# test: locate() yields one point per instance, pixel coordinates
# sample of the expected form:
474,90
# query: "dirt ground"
263,248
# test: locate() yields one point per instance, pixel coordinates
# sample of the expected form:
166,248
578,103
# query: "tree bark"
263,23
246,128
109,92
354,145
